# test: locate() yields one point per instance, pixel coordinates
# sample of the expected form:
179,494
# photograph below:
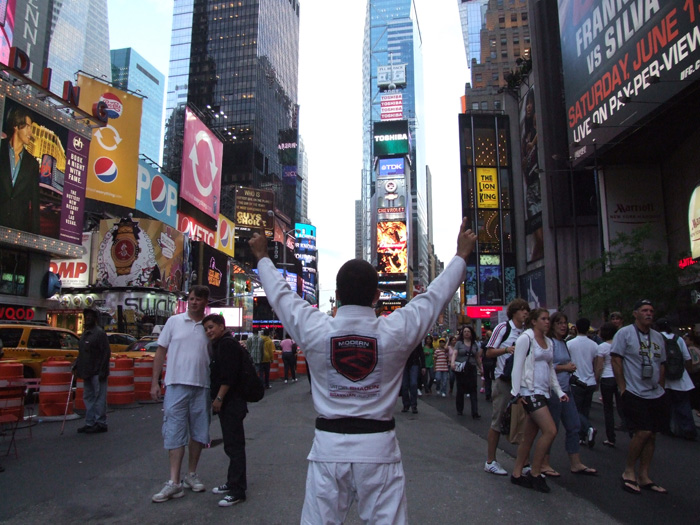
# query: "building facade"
130,71
393,90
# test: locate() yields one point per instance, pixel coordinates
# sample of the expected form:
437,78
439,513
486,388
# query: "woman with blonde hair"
533,378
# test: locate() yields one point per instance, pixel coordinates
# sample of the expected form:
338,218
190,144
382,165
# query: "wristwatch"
219,399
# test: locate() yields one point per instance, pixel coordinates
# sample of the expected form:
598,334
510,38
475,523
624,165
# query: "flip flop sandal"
550,473
586,472
629,485
653,487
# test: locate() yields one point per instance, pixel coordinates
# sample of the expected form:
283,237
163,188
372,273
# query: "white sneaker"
494,468
419,393
169,491
191,481
285,381
526,470
444,395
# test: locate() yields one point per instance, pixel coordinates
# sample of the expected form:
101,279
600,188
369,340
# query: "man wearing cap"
638,356
92,366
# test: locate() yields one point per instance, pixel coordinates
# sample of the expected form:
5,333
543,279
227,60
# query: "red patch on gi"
353,356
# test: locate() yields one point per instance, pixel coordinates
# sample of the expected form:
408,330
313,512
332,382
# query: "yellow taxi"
32,344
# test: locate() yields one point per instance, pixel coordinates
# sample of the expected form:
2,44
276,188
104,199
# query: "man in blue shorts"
186,415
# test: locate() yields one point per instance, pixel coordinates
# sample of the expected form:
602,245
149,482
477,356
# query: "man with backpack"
228,402
678,383
638,356
501,346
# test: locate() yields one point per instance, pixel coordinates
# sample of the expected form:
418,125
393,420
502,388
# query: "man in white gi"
357,361
186,414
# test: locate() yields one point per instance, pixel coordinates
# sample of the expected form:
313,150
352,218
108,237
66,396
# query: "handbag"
461,367
513,421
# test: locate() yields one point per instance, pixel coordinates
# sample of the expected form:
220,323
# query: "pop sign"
156,195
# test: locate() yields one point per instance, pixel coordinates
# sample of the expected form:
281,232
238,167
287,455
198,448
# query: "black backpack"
675,364
250,387
508,365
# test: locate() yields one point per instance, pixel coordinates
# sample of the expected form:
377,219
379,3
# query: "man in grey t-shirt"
638,357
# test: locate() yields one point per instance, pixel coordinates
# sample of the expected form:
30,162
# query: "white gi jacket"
356,360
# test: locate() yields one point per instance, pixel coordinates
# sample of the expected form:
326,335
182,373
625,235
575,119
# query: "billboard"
114,149
392,167
46,195
487,187
195,229
225,236
74,273
694,222
621,60
201,166
306,251
534,235
156,194
391,199
392,247
391,77
391,106
213,271
7,28
31,30
391,138
140,252
252,206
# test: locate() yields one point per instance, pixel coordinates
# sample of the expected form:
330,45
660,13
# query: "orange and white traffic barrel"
10,372
79,402
301,362
143,377
120,383
54,390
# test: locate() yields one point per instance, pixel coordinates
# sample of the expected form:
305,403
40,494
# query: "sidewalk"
109,478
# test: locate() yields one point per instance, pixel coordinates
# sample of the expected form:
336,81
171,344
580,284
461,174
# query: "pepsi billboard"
156,194
391,167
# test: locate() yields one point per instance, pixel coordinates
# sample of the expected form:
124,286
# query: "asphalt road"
675,467
109,478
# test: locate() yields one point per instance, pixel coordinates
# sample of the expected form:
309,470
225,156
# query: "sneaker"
229,500
526,470
192,481
295,380
494,468
404,409
169,491
610,444
590,435
221,489
482,390
414,410
285,381
539,483
444,395
419,393
525,481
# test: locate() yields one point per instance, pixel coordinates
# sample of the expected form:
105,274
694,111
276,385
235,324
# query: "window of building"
14,272
475,106
501,21
514,17
477,77
484,105
523,16
496,104
504,53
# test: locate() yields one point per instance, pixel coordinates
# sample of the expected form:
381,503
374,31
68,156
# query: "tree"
634,272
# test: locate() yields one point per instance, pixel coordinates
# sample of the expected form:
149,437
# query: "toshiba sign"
391,138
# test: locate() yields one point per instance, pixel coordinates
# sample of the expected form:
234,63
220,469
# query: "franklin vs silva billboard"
621,60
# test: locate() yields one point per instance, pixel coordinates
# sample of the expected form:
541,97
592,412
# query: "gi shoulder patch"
354,356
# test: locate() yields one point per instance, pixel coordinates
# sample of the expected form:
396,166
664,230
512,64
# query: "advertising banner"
622,60
391,138
196,230
225,238
47,196
694,222
391,106
391,167
7,28
156,194
392,76
487,187
140,252
306,251
252,206
74,273
214,271
392,247
534,235
391,199
201,166
114,149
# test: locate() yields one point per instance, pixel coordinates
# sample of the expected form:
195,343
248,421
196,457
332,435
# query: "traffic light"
248,286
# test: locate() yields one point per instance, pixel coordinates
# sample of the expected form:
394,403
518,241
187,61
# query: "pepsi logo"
105,170
224,233
114,105
158,193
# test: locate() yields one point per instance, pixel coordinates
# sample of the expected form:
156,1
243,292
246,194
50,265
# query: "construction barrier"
10,372
275,366
56,378
120,383
301,362
143,376
79,402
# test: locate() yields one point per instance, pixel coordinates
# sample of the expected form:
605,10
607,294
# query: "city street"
109,478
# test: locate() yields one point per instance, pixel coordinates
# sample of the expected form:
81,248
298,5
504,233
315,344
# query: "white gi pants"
332,487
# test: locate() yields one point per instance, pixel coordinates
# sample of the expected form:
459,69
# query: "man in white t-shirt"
583,353
358,363
186,414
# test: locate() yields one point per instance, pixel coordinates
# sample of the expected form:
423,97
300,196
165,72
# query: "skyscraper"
392,39
130,71
78,40
236,64
472,14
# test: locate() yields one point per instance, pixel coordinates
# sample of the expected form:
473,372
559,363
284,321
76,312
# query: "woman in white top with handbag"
533,378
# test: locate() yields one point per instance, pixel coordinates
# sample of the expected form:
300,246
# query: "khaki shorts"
500,395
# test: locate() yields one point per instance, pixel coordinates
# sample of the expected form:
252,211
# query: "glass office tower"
472,14
392,38
236,65
130,71
79,40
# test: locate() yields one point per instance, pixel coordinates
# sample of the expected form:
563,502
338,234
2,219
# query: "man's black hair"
16,118
582,325
266,332
215,318
356,283
607,331
200,291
